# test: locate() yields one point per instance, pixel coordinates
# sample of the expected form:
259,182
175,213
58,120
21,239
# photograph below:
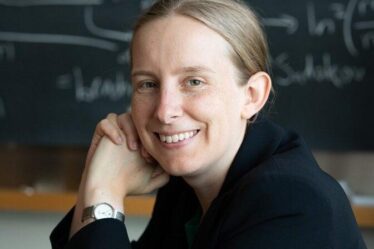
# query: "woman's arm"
113,171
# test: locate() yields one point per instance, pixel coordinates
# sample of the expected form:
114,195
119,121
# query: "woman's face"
187,102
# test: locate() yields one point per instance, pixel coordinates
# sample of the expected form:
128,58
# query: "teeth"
177,137
181,137
163,138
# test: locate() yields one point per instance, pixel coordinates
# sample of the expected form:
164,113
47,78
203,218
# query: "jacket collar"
263,138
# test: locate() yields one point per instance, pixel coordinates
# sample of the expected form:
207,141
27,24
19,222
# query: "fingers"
109,127
127,125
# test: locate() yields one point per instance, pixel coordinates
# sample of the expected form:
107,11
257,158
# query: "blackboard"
64,65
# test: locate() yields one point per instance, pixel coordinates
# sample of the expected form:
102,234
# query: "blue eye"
195,82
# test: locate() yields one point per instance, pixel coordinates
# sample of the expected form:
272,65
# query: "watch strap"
88,213
119,216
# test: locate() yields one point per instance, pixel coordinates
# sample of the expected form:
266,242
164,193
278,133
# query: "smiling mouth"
175,138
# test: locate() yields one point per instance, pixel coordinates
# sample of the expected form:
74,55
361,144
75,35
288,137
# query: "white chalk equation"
346,18
2,109
101,32
90,89
350,24
317,69
105,39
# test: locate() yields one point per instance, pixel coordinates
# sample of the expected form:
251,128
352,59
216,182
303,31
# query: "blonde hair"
233,20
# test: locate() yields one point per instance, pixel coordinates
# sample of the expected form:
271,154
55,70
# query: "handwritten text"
325,71
98,87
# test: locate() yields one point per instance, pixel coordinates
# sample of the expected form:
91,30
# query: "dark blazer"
275,196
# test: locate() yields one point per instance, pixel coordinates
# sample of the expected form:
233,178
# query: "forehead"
178,41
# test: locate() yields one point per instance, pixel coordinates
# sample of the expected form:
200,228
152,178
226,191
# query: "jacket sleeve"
105,233
277,212
111,233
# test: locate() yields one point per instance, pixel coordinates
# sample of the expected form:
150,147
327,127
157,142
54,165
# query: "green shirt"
191,227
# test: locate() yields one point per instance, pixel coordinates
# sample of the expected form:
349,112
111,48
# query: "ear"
257,91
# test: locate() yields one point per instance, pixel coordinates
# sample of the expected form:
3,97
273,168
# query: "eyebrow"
142,73
195,69
191,69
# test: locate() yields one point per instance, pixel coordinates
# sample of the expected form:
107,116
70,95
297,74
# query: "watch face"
103,210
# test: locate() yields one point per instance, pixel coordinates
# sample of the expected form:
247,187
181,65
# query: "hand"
115,169
116,128
119,171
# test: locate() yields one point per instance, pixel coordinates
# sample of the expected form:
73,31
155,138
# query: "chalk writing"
111,34
75,53
347,29
58,39
284,21
346,14
327,71
123,58
338,10
96,88
362,7
2,109
319,27
364,25
341,15
26,3
365,6
7,52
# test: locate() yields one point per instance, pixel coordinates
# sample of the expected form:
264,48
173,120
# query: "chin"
179,168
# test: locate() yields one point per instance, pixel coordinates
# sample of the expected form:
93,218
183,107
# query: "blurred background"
64,65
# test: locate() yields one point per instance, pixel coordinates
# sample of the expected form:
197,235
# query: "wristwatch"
101,211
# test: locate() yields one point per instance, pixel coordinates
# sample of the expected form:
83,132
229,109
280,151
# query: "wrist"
101,210
99,195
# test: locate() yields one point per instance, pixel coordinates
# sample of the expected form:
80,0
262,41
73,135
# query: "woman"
228,180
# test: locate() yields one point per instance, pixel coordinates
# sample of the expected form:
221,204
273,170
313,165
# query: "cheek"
204,108
140,112
211,110
226,113
223,104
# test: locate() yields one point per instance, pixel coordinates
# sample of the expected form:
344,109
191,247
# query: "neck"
206,189
208,183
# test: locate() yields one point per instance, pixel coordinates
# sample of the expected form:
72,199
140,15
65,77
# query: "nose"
169,106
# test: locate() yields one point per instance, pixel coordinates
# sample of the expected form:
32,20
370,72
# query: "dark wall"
64,66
